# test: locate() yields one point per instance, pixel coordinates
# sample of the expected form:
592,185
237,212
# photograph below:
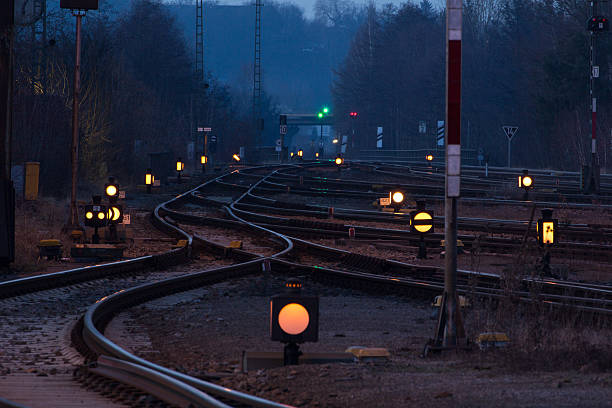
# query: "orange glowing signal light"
293,318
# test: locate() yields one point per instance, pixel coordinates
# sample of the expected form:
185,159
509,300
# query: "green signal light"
325,110
320,115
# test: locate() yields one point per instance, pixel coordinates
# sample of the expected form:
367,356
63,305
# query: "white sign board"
595,71
422,127
379,137
126,218
283,129
510,131
440,134
122,194
278,145
385,201
156,183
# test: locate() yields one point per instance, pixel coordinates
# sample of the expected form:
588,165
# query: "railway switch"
294,319
525,181
421,222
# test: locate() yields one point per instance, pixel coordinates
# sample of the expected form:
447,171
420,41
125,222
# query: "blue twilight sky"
308,5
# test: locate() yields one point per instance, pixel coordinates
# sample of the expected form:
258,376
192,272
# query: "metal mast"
257,75
199,66
39,41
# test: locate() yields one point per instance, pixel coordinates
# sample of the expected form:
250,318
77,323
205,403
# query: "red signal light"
353,113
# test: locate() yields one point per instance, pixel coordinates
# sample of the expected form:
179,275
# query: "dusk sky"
308,5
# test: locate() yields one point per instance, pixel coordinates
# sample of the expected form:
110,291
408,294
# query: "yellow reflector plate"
49,242
235,245
492,336
293,318
548,233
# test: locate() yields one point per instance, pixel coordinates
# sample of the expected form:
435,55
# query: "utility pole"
7,192
74,157
79,9
450,333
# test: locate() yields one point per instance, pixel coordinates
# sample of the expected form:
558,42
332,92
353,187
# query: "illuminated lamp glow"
236,157
111,190
148,179
398,197
527,181
548,233
101,216
89,215
114,213
293,318
339,160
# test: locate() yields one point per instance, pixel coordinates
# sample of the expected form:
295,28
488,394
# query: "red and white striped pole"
453,332
593,128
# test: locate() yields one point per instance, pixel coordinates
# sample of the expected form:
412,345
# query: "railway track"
111,361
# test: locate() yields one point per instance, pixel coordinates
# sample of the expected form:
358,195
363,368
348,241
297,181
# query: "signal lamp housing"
546,228
111,189
397,200
149,178
294,318
115,214
95,215
203,159
300,153
525,180
421,221
180,166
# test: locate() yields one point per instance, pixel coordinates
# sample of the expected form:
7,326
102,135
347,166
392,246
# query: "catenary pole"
74,212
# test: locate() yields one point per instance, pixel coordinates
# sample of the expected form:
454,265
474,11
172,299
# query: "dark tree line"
139,95
525,63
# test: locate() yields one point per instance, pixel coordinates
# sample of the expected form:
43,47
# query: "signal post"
450,333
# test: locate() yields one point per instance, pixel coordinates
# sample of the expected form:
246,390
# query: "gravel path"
206,334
